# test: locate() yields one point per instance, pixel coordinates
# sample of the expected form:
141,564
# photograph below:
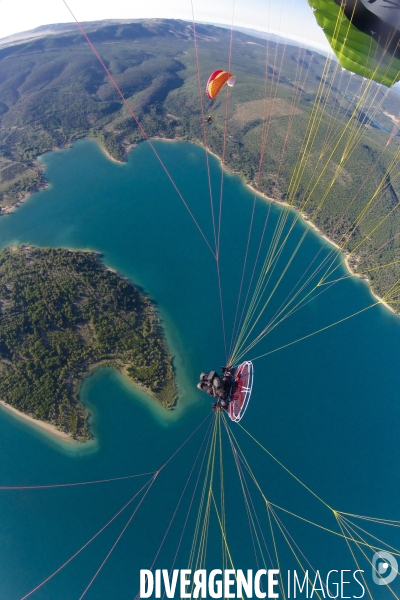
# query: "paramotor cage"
241,397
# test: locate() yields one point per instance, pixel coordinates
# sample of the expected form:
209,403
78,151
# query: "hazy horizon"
293,20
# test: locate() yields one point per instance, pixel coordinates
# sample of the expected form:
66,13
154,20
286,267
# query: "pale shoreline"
306,220
41,424
11,208
61,435
312,225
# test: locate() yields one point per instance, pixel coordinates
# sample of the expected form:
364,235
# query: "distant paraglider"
364,35
231,390
216,81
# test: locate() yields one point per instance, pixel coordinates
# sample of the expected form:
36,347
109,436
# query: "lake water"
327,407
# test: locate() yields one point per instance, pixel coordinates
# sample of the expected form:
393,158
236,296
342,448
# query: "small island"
62,315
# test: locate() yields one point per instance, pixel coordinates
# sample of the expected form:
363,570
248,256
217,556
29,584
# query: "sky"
291,18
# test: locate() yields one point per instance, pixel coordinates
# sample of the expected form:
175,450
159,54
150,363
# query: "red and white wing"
241,397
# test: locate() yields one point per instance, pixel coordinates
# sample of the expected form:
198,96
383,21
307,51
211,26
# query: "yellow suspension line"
290,546
315,524
319,331
316,101
285,468
354,558
379,193
224,537
365,555
248,508
391,522
274,321
268,502
204,538
386,545
253,307
337,171
361,217
200,511
333,251
273,291
221,471
276,551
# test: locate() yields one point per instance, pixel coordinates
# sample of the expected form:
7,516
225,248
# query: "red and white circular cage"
241,397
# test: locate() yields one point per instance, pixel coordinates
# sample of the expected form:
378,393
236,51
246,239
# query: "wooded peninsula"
63,314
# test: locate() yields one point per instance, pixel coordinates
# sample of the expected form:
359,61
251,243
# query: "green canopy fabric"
363,42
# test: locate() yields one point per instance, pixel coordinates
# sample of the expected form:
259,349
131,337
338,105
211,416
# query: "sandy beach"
41,424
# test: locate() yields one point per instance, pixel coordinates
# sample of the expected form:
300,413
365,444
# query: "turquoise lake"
327,407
